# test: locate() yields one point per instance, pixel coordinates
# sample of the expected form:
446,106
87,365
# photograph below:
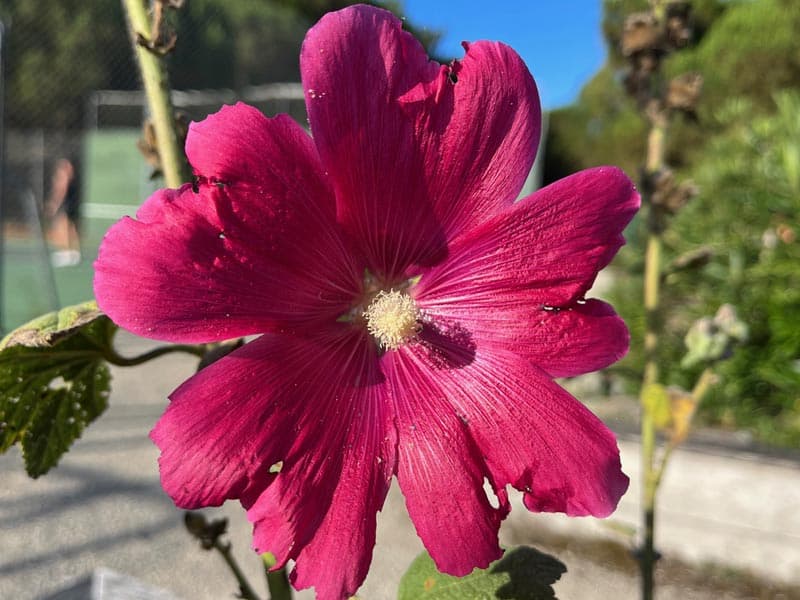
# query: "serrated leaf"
53,382
523,573
49,329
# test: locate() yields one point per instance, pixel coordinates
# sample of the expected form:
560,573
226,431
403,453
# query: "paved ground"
103,507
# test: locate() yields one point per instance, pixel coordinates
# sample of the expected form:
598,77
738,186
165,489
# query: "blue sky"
561,42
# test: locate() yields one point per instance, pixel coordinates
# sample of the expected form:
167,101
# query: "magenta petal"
414,159
530,432
221,430
299,429
336,561
585,337
233,258
320,510
240,144
545,251
441,471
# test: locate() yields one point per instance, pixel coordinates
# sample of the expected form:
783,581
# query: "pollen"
392,319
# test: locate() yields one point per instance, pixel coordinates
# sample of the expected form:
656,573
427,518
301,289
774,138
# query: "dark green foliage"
752,50
57,53
749,211
53,382
522,574
63,49
235,44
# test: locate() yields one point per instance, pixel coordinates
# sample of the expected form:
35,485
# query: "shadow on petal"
449,344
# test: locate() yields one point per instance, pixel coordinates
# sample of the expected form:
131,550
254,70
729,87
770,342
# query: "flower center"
392,319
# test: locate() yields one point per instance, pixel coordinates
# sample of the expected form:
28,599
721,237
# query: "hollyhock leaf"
52,327
523,573
411,164
53,388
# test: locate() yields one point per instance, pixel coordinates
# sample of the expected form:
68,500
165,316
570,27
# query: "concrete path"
103,507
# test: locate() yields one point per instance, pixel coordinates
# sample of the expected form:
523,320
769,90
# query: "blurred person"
63,209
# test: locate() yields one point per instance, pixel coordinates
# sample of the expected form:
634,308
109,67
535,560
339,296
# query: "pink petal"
299,430
545,251
414,158
336,561
463,415
240,144
585,337
441,471
222,430
321,508
235,258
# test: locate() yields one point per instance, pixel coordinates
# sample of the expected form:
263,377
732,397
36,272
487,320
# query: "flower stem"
111,355
156,87
652,307
246,592
277,581
703,384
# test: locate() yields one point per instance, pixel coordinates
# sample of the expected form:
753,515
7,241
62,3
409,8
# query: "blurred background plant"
738,236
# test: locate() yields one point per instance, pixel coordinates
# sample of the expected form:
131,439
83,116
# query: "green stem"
246,592
652,292
652,307
647,556
156,87
703,384
277,581
111,355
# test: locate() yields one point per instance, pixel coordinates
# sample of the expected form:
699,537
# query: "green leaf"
523,573
49,329
53,382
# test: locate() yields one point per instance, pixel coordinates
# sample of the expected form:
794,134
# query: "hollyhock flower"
412,315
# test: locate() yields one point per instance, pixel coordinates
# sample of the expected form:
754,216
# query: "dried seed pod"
684,92
678,31
148,145
670,195
641,33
